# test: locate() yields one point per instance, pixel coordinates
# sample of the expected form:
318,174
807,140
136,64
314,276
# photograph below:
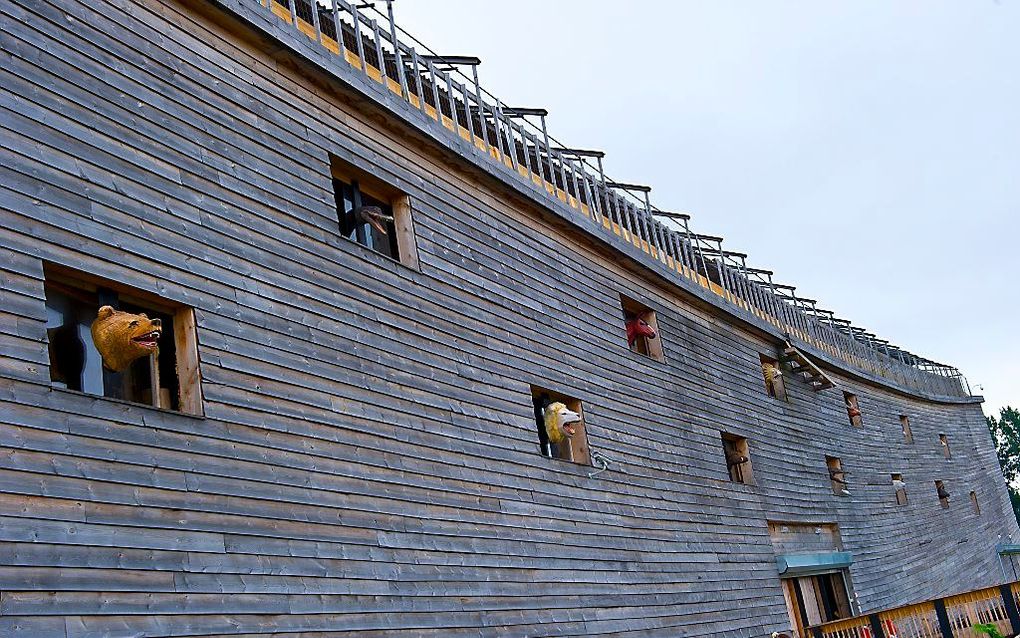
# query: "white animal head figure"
560,423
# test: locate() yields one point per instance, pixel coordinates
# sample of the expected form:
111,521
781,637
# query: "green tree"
1006,434
988,629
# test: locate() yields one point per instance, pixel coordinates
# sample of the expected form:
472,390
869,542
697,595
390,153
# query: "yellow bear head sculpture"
122,337
560,422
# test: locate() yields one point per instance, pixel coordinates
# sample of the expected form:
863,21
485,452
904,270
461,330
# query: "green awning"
1006,549
791,565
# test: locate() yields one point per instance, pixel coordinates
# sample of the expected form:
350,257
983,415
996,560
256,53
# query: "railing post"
362,60
398,59
380,60
481,109
548,158
434,83
469,122
314,5
573,177
940,612
339,27
527,151
721,268
876,626
695,250
1006,591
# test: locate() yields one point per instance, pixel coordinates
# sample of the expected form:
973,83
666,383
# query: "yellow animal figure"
122,337
560,422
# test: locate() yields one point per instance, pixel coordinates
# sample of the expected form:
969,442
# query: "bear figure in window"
122,337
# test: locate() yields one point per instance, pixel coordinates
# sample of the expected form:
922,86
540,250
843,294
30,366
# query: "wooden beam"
189,376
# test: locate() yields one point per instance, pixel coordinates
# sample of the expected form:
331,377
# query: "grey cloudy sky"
866,151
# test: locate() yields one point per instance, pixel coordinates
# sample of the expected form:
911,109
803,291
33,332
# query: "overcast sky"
866,151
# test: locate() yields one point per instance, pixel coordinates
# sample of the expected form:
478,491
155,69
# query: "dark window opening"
72,305
853,410
365,219
943,494
820,599
900,489
564,416
945,446
837,476
775,387
642,329
974,502
908,436
373,213
738,458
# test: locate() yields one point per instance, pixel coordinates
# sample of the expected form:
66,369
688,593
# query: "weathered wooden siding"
368,463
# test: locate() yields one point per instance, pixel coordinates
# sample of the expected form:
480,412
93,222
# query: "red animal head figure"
852,410
638,327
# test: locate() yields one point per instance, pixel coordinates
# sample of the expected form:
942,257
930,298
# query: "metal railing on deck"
950,617
439,87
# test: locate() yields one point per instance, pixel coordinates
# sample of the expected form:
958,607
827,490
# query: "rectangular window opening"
944,441
560,422
817,599
853,409
908,436
837,476
373,213
974,503
642,329
775,387
166,376
738,458
943,494
900,489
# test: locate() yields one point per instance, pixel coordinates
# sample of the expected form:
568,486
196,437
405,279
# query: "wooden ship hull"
342,432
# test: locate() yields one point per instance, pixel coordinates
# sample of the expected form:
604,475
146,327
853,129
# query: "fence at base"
949,617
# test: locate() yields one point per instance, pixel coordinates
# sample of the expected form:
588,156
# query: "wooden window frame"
944,442
837,476
734,447
850,402
651,348
839,605
185,334
974,502
908,434
775,384
940,487
398,201
576,449
901,492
